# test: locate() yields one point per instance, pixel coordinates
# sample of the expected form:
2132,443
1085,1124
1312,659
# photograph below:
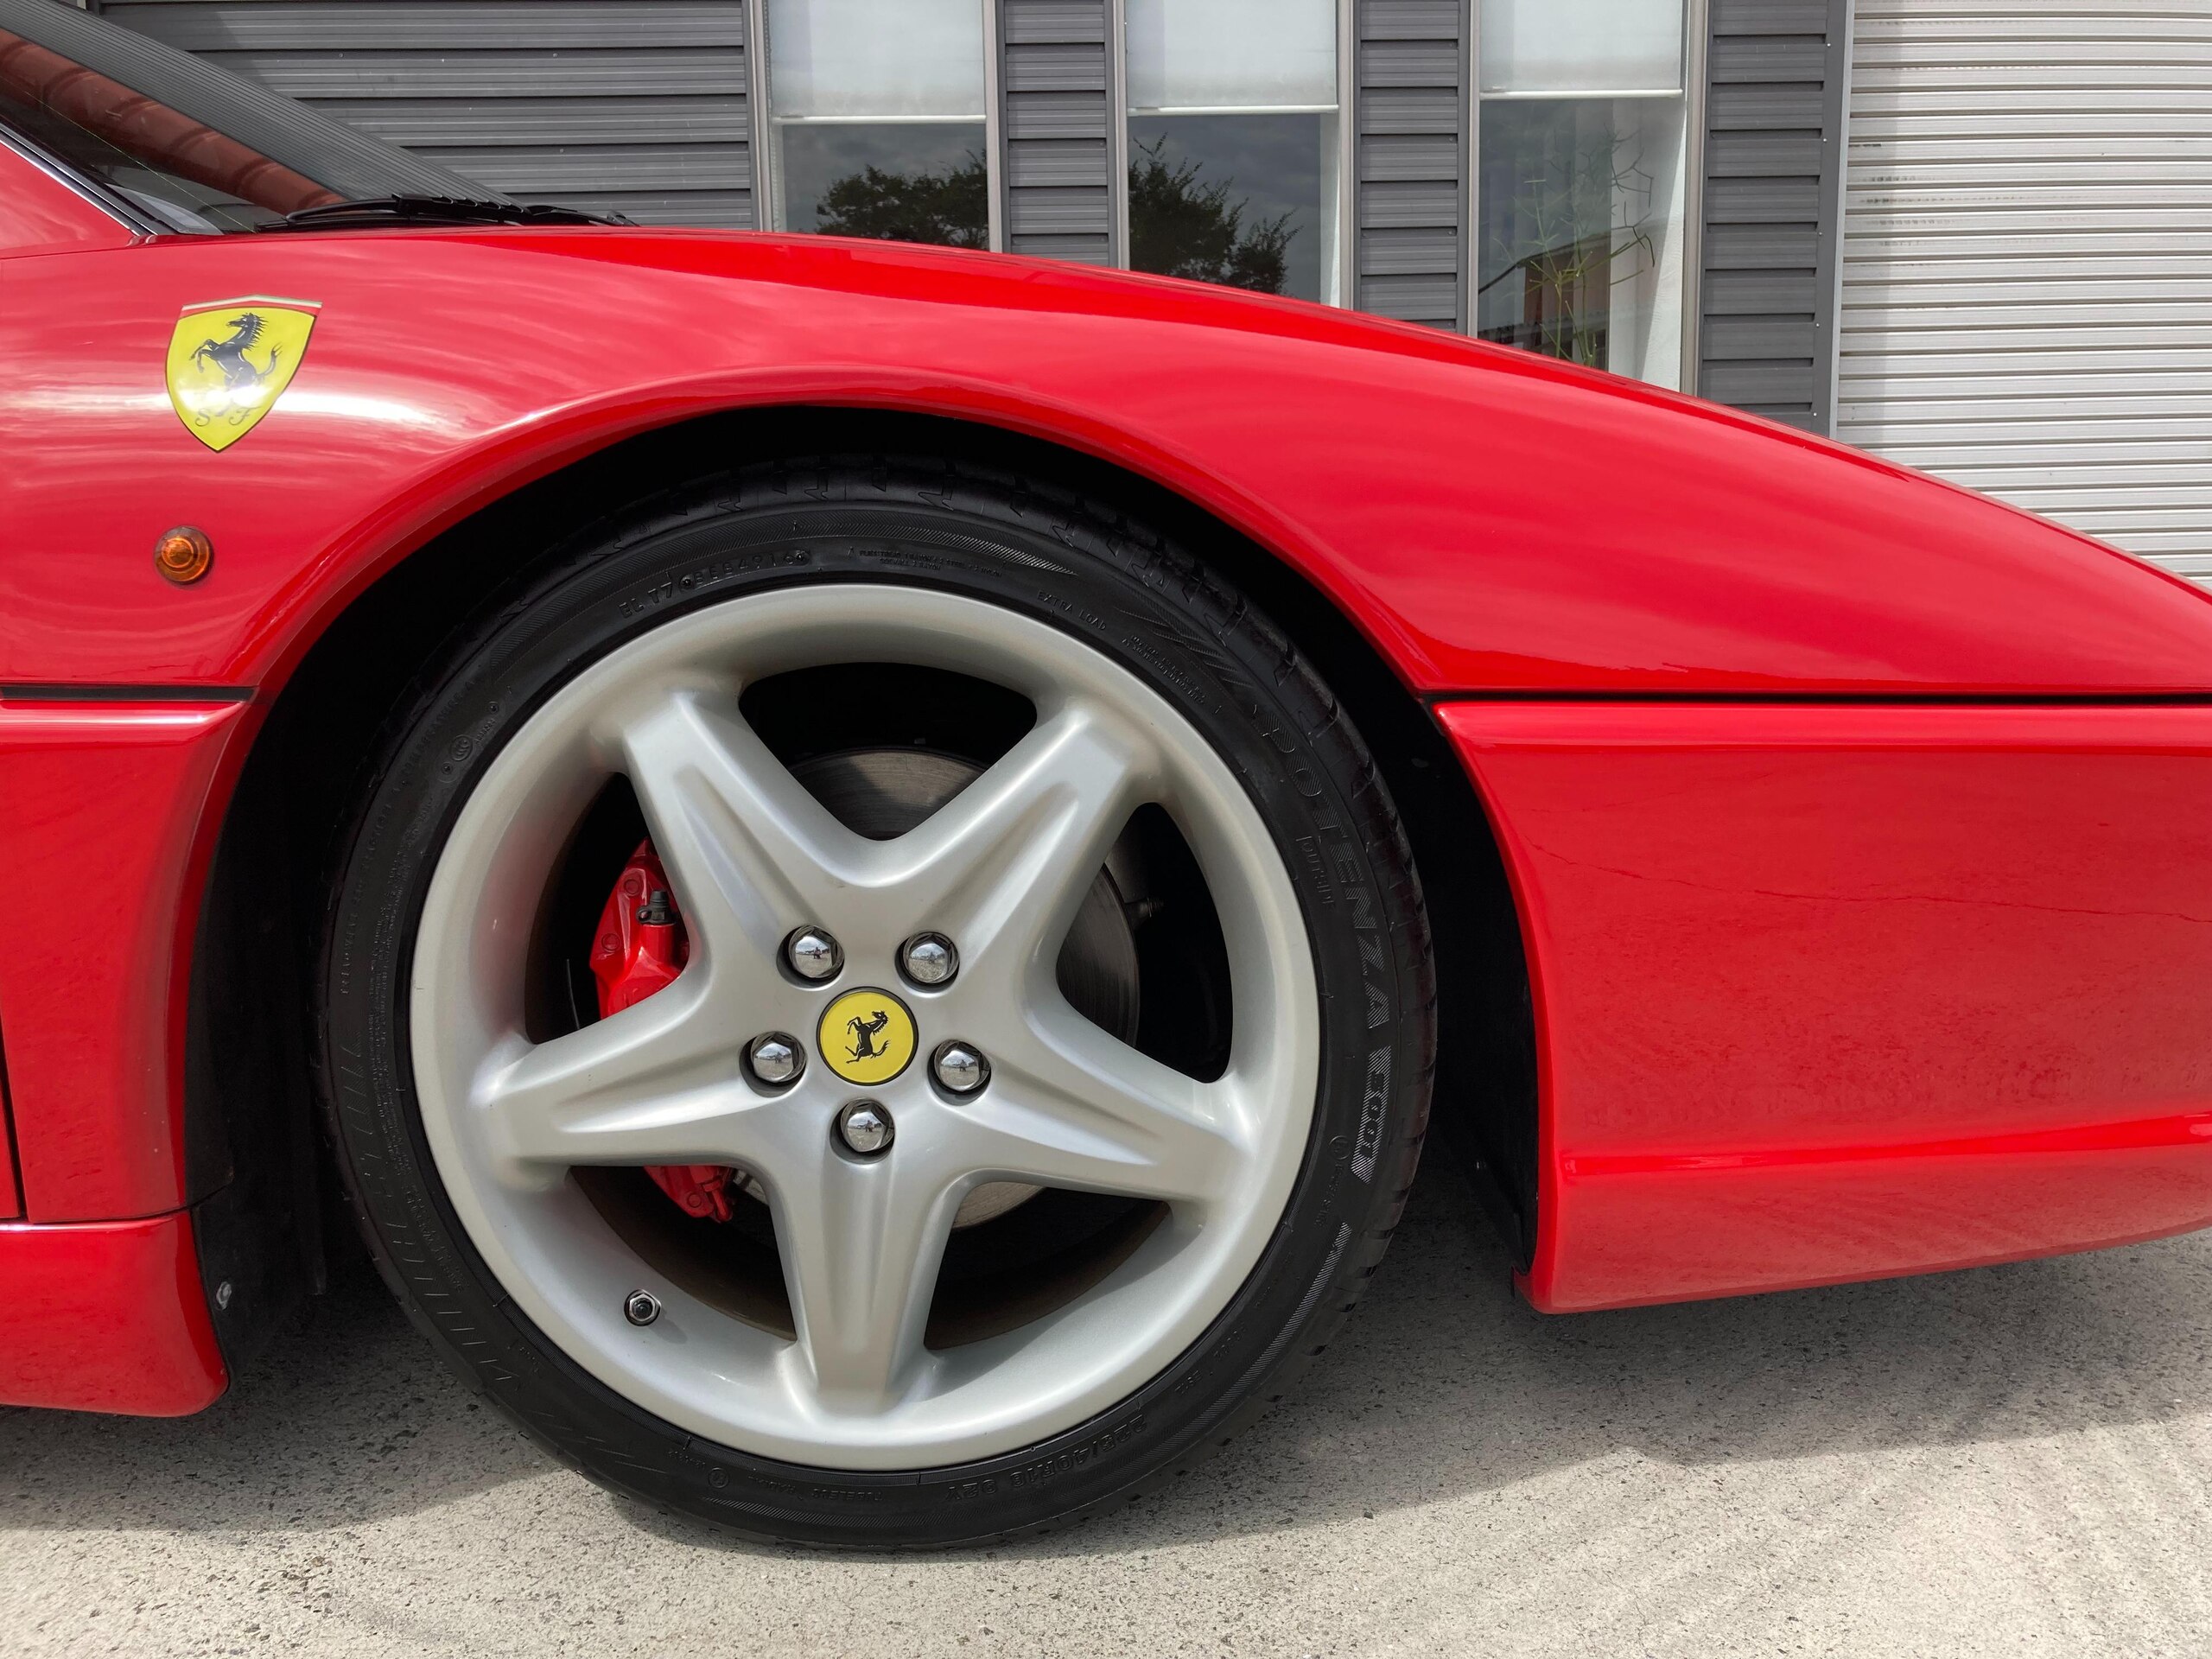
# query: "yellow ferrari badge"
230,360
866,1036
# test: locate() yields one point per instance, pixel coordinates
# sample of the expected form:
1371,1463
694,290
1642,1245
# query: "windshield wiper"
370,211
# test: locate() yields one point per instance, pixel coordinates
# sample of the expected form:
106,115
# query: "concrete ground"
2009,1461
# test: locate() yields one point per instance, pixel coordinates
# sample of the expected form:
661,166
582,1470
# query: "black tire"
1084,567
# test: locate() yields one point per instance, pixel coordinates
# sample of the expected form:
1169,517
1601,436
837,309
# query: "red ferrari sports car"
857,864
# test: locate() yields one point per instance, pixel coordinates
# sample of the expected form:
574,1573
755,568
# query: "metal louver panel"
2027,282
1058,128
1410,101
639,108
1774,73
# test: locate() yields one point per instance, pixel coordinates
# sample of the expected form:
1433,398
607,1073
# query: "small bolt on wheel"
929,959
865,1128
959,1067
776,1059
813,954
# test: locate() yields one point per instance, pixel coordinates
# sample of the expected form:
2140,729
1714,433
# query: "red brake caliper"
641,948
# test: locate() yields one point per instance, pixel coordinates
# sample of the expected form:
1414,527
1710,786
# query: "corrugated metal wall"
1773,170
637,108
1410,101
2027,282
1056,85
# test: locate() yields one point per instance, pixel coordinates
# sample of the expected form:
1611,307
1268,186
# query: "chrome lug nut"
775,1058
641,1308
959,1068
929,959
813,954
865,1128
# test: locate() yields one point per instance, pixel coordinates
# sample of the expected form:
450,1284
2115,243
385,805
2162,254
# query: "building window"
1578,242
1233,142
877,118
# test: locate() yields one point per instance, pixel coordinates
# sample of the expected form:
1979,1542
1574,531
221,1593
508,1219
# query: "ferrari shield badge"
230,361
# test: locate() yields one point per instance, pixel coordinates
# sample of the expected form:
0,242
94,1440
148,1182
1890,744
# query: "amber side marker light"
184,554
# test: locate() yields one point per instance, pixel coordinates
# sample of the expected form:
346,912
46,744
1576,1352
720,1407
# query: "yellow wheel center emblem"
866,1037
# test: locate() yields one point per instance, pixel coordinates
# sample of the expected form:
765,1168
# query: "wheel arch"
268,1205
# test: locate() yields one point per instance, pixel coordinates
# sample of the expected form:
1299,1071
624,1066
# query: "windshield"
192,147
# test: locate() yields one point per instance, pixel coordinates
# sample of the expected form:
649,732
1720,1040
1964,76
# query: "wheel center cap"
866,1037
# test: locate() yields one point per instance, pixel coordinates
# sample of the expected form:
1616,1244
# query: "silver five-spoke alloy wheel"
1000,871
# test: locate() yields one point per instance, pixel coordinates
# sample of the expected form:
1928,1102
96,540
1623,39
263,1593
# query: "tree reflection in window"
1566,218
1182,226
950,208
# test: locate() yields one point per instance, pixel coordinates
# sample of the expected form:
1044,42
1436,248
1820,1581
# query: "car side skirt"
1835,991
106,1316
109,811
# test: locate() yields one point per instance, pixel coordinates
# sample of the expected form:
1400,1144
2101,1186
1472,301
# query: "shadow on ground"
1442,1385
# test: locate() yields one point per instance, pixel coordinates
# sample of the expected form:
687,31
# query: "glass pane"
903,182
1216,55
1582,46
1578,251
875,58
1245,199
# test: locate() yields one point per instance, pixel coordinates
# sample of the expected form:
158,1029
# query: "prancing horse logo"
864,1032
228,358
